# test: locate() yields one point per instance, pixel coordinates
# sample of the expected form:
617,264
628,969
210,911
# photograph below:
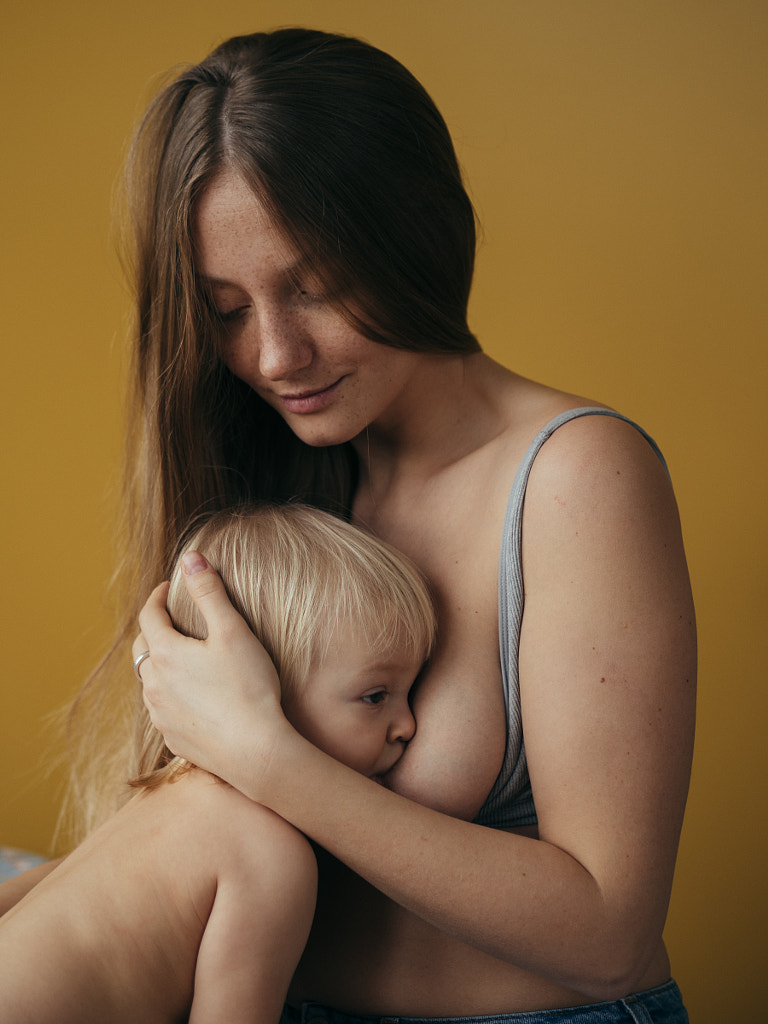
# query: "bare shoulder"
208,806
603,466
600,500
609,642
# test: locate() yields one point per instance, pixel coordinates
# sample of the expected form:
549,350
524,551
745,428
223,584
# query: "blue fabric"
662,1005
14,862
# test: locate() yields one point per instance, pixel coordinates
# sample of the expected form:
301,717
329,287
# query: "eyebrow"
301,265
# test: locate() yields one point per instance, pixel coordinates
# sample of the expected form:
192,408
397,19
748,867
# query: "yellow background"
616,151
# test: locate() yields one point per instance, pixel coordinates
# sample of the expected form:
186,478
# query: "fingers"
201,694
138,661
138,646
206,589
153,620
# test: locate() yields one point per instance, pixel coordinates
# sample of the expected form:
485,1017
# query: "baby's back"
114,932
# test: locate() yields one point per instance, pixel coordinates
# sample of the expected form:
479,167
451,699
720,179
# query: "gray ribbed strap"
510,802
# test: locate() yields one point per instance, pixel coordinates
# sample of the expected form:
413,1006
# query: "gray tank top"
510,802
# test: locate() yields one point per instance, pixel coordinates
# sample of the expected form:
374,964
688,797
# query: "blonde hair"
297,574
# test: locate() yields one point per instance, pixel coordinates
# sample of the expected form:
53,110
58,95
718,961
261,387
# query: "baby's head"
346,619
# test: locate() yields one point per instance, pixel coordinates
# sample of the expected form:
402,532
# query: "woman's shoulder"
598,485
568,450
583,445
567,433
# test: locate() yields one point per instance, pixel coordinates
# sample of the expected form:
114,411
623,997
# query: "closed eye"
230,315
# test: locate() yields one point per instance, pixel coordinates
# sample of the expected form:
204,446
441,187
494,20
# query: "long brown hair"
351,158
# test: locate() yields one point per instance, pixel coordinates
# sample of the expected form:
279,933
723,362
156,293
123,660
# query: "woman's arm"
607,667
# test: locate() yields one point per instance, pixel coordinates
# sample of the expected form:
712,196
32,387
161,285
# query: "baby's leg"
114,932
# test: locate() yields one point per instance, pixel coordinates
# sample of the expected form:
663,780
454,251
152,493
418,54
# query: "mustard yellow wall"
616,151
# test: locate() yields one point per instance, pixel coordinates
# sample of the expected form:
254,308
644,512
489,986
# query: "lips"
381,776
309,401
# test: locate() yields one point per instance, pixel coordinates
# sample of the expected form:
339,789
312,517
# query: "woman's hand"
215,701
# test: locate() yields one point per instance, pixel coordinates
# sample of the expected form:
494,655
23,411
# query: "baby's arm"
258,927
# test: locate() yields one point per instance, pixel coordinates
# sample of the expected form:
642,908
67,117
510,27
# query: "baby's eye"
374,698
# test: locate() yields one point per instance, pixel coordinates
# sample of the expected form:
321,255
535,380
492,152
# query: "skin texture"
438,916
192,882
572,916
356,706
184,880
420,912
309,360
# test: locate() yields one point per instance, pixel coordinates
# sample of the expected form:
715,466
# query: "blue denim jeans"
662,1005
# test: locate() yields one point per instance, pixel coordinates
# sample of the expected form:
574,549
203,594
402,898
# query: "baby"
192,901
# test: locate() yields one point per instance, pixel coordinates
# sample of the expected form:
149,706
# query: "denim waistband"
661,1005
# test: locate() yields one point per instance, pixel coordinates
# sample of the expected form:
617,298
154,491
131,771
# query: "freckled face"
282,338
354,706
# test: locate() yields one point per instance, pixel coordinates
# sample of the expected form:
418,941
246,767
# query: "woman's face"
281,337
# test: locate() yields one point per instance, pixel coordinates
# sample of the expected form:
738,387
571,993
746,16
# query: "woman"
303,258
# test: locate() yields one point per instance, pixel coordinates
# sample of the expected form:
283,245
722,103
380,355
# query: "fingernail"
193,562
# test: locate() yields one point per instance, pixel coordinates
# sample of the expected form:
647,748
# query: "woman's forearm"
607,685
519,899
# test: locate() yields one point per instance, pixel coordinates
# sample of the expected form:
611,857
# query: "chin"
319,437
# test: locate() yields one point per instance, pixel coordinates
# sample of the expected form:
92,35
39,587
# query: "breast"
456,754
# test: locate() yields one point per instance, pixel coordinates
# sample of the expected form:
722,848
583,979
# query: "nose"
284,347
403,725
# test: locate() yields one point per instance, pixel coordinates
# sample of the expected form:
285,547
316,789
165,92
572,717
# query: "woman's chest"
455,756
